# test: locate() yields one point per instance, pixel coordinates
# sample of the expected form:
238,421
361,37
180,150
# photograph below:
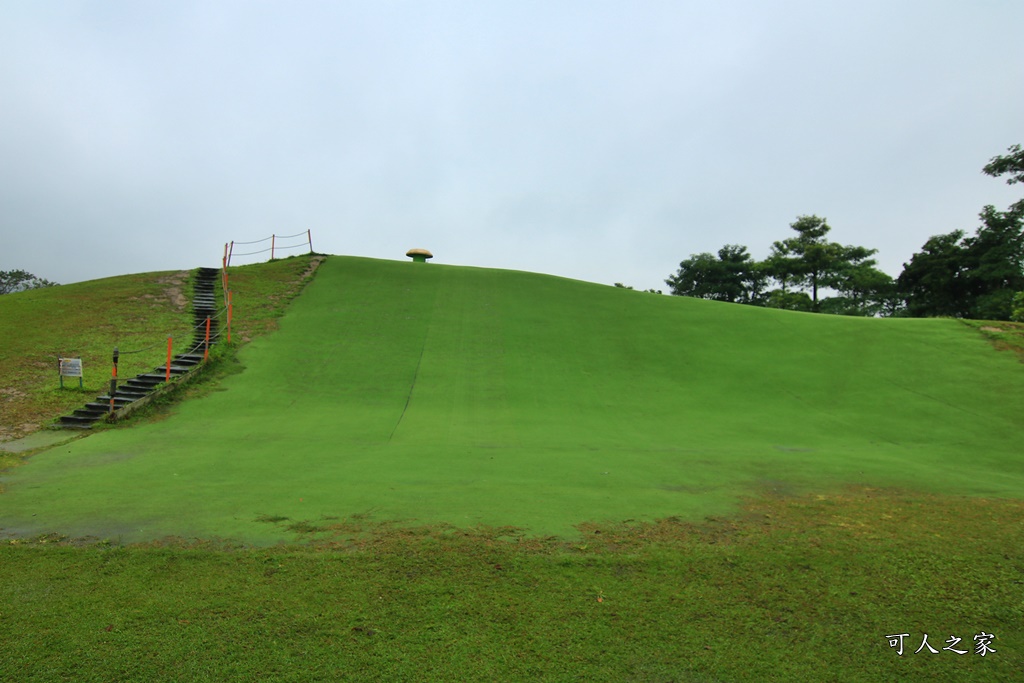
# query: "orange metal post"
167,377
231,296
206,344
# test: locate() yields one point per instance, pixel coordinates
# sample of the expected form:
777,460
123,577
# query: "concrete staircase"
130,393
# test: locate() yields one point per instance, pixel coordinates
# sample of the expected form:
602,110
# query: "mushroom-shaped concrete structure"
419,255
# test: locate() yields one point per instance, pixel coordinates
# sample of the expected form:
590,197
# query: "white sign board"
70,367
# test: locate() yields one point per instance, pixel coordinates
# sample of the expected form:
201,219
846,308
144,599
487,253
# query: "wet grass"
802,588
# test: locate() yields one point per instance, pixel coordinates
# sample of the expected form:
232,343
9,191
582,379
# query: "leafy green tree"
977,276
18,280
783,267
619,285
789,301
733,275
863,290
809,260
933,282
1011,164
997,249
967,277
1018,307
995,264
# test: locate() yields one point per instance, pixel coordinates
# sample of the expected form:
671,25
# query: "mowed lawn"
420,393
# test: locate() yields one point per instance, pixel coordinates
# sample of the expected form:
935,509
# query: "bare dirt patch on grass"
1004,336
175,288
314,263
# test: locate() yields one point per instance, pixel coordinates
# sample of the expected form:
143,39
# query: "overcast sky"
602,141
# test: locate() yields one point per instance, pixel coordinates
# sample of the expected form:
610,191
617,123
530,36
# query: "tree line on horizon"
19,280
979,276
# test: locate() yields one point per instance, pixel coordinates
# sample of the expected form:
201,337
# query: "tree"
1012,164
18,280
1018,307
995,264
977,276
996,252
619,285
732,276
968,277
783,267
933,282
811,261
789,301
863,290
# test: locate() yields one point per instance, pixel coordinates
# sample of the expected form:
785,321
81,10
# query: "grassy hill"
493,475
85,320
133,312
471,396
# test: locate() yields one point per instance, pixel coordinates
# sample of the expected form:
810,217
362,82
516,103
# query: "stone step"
175,370
75,422
94,413
129,393
154,377
104,406
119,401
134,385
204,306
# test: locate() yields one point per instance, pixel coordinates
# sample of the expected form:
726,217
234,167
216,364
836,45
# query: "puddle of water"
41,439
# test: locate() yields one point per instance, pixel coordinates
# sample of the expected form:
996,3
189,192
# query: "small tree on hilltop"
977,276
811,261
731,276
19,280
1018,307
1011,164
933,281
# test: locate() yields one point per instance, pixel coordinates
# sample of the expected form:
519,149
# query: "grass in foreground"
794,589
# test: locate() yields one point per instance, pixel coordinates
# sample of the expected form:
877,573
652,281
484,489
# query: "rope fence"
275,246
202,332
193,331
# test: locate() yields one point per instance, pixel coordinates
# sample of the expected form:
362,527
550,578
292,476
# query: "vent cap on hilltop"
419,255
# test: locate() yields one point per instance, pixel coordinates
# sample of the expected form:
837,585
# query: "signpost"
70,367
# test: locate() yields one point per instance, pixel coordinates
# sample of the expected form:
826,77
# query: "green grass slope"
84,320
428,393
135,313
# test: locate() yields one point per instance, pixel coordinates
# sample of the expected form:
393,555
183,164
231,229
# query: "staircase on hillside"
204,305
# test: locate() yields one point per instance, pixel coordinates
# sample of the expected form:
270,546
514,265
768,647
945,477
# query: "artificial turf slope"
430,393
